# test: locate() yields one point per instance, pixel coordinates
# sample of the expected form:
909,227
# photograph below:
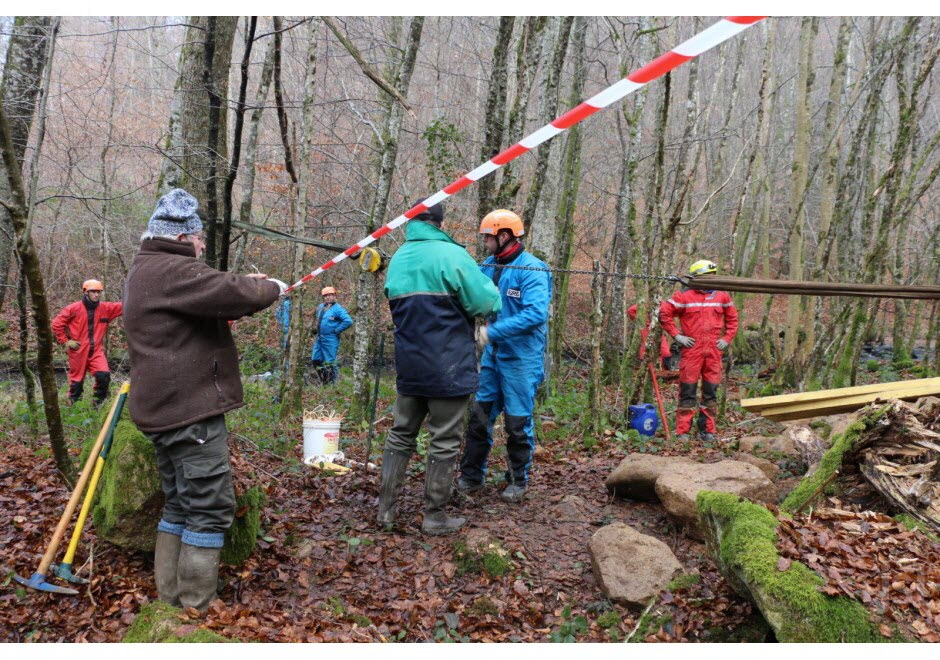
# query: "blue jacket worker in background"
513,364
332,320
282,314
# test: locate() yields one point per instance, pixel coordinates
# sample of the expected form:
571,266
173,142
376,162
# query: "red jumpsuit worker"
709,322
665,350
82,326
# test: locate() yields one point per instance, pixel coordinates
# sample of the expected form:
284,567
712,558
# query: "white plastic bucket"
321,439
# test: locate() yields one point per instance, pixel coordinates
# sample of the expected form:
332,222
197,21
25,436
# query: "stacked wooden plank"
803,405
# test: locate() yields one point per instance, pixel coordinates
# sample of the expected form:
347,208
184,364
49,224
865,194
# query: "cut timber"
846,399
756,405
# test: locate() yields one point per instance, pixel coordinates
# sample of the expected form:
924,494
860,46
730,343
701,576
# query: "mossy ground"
747,546
492,558
157,622
830,463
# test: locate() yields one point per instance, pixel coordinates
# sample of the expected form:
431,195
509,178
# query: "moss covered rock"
159,623
129,503
742,537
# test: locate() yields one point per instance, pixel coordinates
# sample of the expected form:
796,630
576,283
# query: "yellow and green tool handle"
65,568
76,494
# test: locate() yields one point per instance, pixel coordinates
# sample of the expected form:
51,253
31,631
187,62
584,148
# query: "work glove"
482,337
72,345
280,285
685,342
721,344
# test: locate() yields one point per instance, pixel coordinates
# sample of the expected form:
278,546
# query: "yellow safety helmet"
327,290
92,285
703,267
502,219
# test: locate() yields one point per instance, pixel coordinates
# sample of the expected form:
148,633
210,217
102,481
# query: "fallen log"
742,539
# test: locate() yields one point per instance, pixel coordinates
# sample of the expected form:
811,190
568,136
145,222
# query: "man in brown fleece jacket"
184,367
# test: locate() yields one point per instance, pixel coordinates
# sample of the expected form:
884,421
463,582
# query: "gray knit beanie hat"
176,213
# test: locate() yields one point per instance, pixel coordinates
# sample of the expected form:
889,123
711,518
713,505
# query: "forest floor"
323,571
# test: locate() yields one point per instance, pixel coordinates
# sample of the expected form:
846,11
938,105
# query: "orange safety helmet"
92,285
502,219
327,290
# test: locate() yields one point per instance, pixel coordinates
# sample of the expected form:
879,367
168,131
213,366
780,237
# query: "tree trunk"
804,133
494,127
17,208
292,398
539,220
570,181
22,73
251,149
367,284
226,229
203,83
528,51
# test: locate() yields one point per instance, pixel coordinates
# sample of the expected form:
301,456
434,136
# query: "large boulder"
129,502
630,567
636,475
767,467
678,488
761,444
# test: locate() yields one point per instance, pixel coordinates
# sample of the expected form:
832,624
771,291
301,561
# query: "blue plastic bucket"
644,419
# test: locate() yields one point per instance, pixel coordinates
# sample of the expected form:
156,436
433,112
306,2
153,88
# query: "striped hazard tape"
703,41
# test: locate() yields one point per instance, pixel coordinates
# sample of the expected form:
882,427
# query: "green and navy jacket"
434,290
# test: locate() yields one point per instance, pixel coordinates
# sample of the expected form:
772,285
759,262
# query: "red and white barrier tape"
704,40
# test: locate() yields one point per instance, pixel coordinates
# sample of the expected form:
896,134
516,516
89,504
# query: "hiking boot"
438,483
394,466
708,437
166,558
466,487
513,493
198,575
683,438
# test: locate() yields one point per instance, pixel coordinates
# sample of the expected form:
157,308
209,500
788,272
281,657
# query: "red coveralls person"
82,326
665,350
709,322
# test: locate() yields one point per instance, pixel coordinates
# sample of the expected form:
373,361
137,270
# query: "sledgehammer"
38,579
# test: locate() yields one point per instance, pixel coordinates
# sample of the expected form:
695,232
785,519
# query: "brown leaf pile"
331,575
871,558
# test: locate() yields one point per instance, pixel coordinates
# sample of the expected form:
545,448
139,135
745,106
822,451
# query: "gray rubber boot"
166,558
394,467
198,576
438,484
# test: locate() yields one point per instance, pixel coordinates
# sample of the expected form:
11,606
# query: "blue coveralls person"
512,367
282,314
332,319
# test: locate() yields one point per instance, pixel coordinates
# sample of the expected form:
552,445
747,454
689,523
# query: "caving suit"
332,320
512,367
87,323
706,317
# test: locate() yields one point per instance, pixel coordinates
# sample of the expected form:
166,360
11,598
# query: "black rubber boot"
165,566
394,467
438,484
198,576
75,390
102,381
